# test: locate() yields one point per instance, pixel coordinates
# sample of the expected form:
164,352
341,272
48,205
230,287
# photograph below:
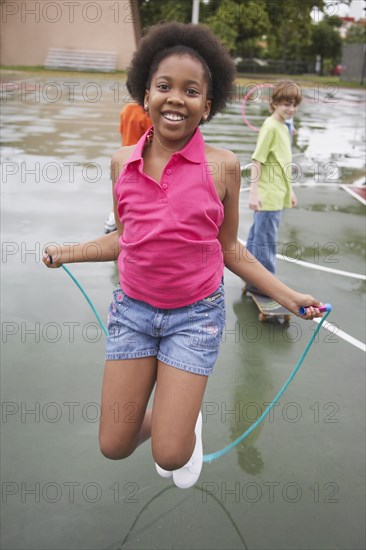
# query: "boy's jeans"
262,238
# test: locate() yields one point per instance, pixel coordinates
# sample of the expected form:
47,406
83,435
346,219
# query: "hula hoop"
245,100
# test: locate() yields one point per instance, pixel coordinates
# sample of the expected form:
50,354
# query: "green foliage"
356,35
326,41
290,27
332,21
241,24
286,26
236,21
158,11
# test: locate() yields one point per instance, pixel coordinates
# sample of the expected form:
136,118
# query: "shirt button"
168,171
165,186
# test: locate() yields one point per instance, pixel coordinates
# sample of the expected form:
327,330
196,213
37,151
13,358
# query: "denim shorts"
187,338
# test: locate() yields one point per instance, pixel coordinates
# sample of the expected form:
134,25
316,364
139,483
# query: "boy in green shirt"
270,187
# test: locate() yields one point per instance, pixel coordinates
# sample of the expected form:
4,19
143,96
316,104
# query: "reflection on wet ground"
297,481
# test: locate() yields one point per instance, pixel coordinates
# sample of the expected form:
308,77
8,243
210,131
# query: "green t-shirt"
273,151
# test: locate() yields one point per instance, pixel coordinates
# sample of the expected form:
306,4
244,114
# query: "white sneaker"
163,473
188,475
110,223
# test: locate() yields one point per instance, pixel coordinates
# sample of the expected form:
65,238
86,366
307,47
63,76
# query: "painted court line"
328,326
322,268
341,334
318,267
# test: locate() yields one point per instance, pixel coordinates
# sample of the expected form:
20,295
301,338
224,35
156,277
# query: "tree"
356,34
290,28
157,11
326,41
234,21
242,24
237,23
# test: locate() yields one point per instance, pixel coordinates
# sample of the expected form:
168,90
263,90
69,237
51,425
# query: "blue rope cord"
102,325
214,456
222,452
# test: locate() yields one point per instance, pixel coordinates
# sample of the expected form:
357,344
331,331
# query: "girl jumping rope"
176,207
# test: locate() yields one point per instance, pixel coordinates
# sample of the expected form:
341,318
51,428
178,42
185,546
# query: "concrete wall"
30,27
353,61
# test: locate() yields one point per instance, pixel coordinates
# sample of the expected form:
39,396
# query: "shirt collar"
193,151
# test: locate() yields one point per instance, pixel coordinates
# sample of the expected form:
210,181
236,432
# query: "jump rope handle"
323,308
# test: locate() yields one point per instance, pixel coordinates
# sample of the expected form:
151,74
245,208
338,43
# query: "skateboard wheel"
287,318
262,317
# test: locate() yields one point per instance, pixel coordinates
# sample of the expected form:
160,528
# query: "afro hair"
196,40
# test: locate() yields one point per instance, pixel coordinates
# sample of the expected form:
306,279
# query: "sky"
341,10
355,10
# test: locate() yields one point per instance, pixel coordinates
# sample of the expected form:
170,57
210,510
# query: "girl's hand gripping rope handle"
322,309
50,260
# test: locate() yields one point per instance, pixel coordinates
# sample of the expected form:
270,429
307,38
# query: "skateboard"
268,308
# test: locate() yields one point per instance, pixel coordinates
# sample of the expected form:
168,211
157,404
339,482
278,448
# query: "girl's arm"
102,249
239,260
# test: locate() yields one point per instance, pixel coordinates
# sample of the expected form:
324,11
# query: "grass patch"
306,80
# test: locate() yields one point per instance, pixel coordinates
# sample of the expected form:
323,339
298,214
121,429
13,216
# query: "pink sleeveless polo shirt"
170,255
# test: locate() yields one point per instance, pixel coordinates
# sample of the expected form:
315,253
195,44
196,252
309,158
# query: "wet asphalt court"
297,482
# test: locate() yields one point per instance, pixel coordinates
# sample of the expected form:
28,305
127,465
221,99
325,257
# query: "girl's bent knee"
171,459
170,464
115,451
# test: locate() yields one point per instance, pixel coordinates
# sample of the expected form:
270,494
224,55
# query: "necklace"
163,146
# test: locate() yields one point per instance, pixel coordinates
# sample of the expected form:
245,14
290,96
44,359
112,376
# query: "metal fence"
275,66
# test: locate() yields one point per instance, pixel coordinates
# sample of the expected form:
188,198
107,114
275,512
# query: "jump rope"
326,308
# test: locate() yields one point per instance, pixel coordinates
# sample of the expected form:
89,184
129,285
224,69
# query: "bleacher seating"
81,60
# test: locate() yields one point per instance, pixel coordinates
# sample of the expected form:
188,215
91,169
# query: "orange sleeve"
121,124
134,122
